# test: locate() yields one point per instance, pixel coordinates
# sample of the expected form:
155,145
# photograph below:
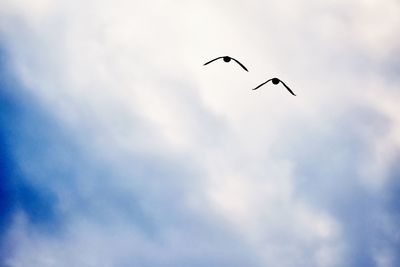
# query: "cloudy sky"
119,148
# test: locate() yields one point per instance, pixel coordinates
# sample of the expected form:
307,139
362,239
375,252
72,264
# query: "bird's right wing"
241,65
290,91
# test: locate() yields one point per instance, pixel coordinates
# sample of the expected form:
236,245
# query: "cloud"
156,160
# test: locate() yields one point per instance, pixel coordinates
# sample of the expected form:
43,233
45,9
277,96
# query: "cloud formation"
147,158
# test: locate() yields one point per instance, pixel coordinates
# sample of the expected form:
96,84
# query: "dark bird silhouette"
227,59
276,81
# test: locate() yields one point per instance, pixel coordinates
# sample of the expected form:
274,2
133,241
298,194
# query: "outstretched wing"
262,84
241,65
212,60
288,88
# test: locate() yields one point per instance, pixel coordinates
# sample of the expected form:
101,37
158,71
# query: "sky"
119,148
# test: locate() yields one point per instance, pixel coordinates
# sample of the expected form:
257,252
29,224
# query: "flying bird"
227,59
276,81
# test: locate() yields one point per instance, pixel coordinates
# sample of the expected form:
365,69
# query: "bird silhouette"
227,59
276,81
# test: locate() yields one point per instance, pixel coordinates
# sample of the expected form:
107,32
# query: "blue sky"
119,148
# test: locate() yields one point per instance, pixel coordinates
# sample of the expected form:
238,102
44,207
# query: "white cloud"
126,79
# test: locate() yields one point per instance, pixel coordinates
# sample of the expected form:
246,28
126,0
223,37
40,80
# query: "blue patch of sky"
392,206
328,164
16,192
18,110
57,158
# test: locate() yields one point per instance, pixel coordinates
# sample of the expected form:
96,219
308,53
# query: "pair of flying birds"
273,80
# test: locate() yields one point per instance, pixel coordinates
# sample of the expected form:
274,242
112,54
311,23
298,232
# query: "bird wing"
212,61
288,88
241,65
262,84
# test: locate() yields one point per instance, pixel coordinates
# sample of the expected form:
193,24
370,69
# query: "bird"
276,81
227,59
